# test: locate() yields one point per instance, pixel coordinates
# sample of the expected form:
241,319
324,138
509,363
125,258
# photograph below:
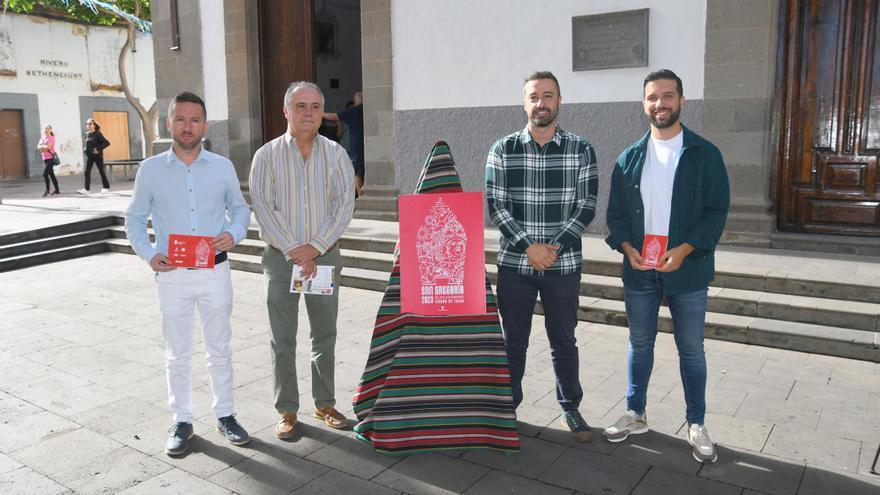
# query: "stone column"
378,92
740,66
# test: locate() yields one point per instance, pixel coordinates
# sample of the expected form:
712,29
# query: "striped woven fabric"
435,383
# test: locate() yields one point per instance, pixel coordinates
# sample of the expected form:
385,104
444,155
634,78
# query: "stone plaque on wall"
609,41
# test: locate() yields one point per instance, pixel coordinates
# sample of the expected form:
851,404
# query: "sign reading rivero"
442,261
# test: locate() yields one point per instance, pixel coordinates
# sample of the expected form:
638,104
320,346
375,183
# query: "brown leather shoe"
285,427
331,417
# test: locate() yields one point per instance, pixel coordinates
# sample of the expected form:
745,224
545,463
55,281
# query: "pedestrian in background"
46,146
94,149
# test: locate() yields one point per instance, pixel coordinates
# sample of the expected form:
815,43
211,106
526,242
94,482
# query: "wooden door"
12,146
287,54
829,95
114,127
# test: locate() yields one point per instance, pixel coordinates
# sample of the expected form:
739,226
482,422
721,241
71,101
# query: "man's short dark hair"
543,74
664,74
187,97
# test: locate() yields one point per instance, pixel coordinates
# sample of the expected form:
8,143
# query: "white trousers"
180,291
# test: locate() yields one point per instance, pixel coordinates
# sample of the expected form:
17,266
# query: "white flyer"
320,284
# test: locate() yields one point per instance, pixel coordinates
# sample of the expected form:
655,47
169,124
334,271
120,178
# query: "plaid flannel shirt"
541,194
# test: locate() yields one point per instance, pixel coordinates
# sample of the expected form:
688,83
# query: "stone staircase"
377,203
805,312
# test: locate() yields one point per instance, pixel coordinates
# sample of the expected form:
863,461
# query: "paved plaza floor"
83,408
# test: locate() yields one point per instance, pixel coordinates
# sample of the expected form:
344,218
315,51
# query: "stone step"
753,328
366,214
54,242
102,222
53,255
371,254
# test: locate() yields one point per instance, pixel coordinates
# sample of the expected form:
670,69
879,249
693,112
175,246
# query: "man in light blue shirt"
188,190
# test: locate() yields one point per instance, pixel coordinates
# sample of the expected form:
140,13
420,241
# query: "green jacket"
700,201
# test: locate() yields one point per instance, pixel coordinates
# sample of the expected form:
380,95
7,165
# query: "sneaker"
578,427
84,192
232,430
703,448
45,194
628,424
104,190
180,435
284,428
55,193
331,417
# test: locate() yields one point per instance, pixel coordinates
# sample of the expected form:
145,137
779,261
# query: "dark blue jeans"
517,294
688,319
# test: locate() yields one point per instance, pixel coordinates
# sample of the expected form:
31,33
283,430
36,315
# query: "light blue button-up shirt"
202,199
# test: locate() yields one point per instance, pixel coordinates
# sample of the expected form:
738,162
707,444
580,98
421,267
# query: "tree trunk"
148,117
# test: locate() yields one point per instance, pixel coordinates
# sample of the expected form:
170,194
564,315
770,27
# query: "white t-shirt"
657,180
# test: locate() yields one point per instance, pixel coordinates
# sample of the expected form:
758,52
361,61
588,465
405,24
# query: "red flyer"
653,249
190,251
442,262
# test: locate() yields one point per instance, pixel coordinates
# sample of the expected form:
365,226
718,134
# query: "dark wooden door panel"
12,162
829,97
286,55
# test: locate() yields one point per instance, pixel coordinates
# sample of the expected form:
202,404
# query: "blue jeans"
688,319
516,303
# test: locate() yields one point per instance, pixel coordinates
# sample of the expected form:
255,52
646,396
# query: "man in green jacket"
666,210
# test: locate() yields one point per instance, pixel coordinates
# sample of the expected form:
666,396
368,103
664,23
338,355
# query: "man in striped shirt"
301,184
541,186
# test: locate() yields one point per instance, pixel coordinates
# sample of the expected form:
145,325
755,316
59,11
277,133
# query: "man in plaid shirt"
541,186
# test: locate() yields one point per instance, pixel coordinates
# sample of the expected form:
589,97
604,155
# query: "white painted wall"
214,58
90,54
462,53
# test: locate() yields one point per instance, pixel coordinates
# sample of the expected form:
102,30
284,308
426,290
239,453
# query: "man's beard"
545,120
669,122
184,145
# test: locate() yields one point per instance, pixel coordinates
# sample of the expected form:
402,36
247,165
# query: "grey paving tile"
866,459
119,415
821,450
26,481
662,481
334,483
501,482
744,433
65,452
534,457
354,457
113,472
270,471
8,464
175,482
309,438
659,450
723,402
837,399
582,470
821,482
759,472
780,411
22,431
431,474
531,419
859,427
12,407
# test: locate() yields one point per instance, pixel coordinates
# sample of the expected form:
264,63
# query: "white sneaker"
104,190
84,192
628,424
703,448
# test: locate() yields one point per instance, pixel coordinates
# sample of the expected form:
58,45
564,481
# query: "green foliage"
106,13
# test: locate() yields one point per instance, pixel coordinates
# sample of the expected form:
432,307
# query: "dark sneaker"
578,427
233,431
180,435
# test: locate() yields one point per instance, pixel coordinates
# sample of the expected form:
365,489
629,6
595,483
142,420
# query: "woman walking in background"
94,148
46,146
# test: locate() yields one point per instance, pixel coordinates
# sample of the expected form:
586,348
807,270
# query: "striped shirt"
541,195
299,202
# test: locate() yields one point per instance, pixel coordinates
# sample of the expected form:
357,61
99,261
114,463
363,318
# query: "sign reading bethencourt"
610,41
49,70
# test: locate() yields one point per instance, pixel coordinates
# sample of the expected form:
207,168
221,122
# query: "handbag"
55,160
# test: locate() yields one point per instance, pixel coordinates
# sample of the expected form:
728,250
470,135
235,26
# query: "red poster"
190,251
653,249
442,262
